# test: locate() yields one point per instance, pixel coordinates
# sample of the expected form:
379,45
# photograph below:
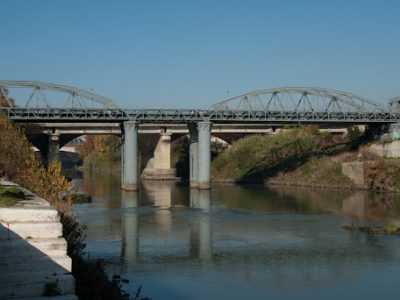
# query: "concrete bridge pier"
200,155
204,155
130,166
193,155
159,167
123,163
53,147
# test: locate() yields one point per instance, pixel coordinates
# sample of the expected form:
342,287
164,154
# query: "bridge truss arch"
299,99
37,94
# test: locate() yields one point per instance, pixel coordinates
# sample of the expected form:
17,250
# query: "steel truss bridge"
289,105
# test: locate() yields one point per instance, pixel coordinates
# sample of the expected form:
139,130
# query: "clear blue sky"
189,53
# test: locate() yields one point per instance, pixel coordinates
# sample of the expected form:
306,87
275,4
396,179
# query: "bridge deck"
155,116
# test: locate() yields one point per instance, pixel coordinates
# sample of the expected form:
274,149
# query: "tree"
354,135
20,163
6,101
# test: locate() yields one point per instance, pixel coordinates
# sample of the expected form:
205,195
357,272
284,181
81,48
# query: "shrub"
22,166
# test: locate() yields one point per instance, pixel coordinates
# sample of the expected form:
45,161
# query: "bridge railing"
187,115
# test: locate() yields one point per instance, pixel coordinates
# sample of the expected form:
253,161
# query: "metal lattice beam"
300,99
177,116
75,98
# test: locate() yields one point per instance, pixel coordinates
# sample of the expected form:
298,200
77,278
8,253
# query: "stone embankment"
388,149
33,254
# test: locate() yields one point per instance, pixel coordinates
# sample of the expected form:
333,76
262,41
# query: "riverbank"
34,243
33,252
324,171
19,163
307,157
354,170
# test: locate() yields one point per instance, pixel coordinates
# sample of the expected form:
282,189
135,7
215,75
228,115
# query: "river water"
241,242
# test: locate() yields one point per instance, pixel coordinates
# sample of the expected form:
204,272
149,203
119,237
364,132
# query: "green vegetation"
387,229
7,201
259,155
20,163
101,152
10,196
298,156
81,198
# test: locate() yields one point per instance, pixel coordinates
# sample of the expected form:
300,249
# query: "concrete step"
33,285
61,297
29,213
31,253
27,230
33,247
57,265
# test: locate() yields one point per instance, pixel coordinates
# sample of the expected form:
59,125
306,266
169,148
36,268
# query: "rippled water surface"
242,242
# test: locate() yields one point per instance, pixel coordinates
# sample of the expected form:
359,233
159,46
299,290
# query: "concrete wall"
355,171
391,149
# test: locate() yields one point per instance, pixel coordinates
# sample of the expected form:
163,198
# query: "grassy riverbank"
322,171
380,174
258,157
306,157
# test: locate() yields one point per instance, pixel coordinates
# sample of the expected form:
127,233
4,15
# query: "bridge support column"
159,167
130,156
123,163
53,148
193,155
204,155
162,153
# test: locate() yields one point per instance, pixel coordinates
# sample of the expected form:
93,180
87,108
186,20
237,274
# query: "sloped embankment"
258,156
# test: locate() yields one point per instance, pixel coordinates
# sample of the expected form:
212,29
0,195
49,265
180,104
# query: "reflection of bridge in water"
160,194
81,112
155,233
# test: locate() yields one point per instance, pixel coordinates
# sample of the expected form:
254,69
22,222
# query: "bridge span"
83,112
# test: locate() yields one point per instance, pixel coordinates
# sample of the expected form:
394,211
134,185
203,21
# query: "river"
241,242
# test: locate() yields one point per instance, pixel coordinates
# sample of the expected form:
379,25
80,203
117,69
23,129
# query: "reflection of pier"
201,231
130,226
160,194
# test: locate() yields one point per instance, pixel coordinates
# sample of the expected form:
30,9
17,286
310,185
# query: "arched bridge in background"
37,96
283,106
60,113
